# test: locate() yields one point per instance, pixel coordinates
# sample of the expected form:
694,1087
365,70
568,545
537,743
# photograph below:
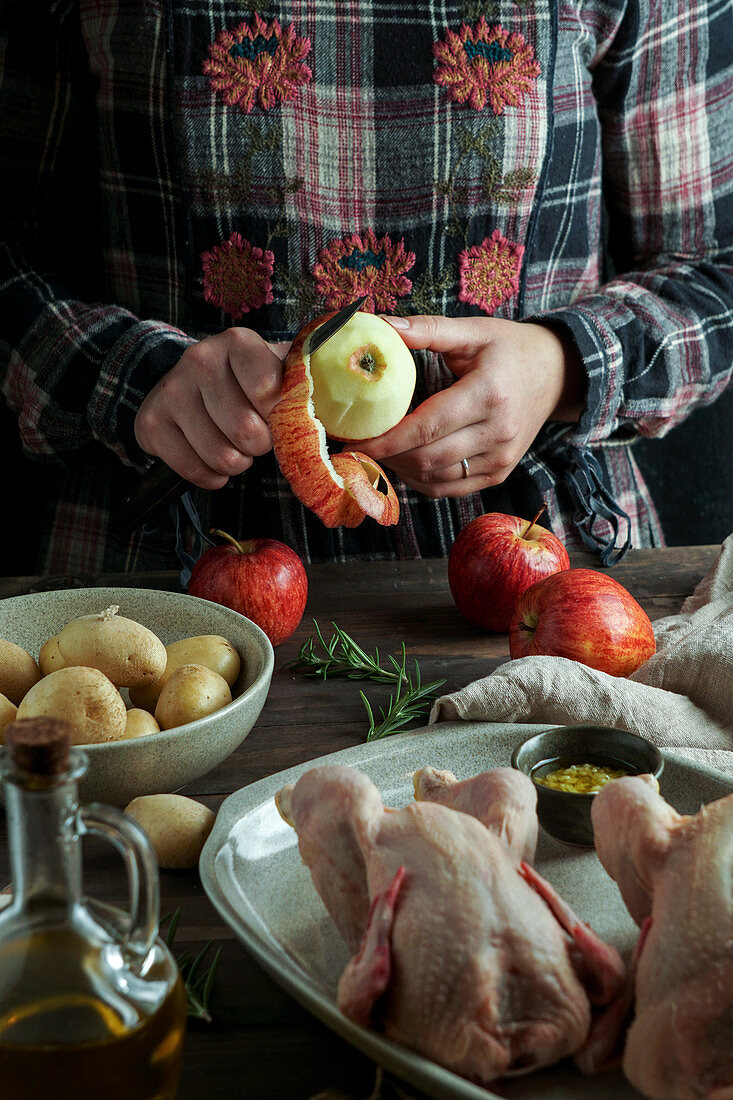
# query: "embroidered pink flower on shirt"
489,272
484,63
237,276
353,266
260,64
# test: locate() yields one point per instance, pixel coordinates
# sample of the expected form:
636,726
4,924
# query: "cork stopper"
39,746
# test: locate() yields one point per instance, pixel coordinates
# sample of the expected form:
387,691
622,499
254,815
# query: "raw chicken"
461,958
502,799
675,874
505,801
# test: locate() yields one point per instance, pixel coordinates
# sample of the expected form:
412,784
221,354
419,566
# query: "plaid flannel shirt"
170,169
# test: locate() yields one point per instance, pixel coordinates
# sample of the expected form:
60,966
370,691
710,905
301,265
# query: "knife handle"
158,487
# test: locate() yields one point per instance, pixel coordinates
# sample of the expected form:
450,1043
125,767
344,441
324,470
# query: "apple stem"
241,547
523,626
532,522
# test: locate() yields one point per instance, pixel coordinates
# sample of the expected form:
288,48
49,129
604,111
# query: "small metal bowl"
565,815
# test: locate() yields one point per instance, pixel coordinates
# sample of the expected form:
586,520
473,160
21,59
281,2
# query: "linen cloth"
680,699
172,169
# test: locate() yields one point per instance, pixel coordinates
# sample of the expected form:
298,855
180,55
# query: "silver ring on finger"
464,467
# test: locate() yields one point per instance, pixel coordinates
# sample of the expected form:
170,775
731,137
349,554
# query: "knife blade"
330,327
160,486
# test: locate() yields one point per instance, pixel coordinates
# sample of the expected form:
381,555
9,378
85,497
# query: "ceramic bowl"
159,762
564,814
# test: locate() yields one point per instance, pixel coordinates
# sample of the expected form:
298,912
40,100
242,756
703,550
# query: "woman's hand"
207,417
511,377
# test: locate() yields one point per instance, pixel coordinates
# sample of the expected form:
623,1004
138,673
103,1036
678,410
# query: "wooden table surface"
261,1044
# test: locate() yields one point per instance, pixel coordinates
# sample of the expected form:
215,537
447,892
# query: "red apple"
261,578
343,489
494,559
585,616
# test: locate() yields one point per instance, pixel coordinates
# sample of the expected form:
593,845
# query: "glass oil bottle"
91,1002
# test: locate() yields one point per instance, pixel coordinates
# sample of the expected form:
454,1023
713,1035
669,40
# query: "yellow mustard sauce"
580,778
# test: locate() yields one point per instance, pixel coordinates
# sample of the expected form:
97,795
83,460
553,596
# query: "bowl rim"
551,792
162,736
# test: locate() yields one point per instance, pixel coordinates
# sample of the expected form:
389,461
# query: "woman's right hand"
207,417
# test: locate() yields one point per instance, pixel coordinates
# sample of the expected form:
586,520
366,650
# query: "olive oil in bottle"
91,1002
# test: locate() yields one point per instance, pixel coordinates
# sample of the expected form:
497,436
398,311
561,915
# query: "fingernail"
397,322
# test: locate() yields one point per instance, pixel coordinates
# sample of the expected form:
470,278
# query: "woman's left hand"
511,377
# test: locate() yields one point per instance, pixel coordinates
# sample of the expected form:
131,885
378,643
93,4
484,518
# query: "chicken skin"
502,799
675,874
462,953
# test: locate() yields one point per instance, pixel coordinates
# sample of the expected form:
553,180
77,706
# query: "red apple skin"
586,616
494,559
261,578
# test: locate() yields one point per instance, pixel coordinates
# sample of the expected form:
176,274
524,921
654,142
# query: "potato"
7,715
140,723
85,698
49,659
125,651
18,671
192,692
210,650
177,827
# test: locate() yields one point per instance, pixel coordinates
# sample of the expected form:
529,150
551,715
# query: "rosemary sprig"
409,703
197,985
341,656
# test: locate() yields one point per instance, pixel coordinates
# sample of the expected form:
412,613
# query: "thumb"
465,335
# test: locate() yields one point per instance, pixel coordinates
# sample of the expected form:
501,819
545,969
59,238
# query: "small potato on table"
177,827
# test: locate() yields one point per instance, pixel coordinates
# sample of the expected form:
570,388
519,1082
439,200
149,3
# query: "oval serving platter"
252,872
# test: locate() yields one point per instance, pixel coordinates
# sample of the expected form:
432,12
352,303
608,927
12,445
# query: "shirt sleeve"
74,370
657,338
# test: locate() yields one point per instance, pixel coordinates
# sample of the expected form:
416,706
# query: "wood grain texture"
262,1045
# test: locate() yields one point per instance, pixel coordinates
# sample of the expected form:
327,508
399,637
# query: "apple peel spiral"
341,489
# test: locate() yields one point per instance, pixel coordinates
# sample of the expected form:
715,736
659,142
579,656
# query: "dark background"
689,471
26,487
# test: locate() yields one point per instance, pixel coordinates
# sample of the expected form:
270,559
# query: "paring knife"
159,486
